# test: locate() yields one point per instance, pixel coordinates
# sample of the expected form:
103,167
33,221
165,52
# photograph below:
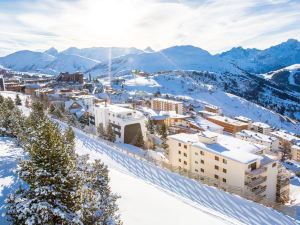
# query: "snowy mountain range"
95,60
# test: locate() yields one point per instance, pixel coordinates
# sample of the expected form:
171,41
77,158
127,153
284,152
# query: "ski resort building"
295,150
213,109
230,125
126,122
161,104
228,162
261,127
271,142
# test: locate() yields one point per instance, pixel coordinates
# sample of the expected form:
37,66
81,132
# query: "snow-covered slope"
101,53
26,61
287,76
200,89
173,58
262,61
69,63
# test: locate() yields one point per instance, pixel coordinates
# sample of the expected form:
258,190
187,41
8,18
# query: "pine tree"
150,126
110,133
101,131
70,140
100,207
1,99
53,195
164,135
139,142
10,103
51,109
18,100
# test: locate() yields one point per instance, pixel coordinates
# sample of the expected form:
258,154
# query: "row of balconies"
251,183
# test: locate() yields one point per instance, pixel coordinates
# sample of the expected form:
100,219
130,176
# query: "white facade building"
125,122
261,128
271,142
227,160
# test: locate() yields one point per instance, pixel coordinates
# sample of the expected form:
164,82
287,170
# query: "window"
184,154
224,180
202,170
224,161
201,152
252,166
185,146
224,170
184,162
196,170
196,153
179,152
202,161
217,158
216,167
179,144
179,160
216,176
274,164
196,162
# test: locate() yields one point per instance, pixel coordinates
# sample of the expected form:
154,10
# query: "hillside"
173,58
263,61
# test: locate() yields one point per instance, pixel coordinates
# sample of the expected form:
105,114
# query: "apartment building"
230,125
160,104
295,150
284,136
272,143
228,161
125,122
213,109
261,128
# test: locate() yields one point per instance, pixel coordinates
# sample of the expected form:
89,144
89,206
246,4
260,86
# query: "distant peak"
52,51
148,49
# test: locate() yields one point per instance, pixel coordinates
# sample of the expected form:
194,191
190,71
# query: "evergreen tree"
150,126
9,103
164,135
110,133
1,99
100,207
139,142
18,100
53,195
101,131
286,151
70,140
51,109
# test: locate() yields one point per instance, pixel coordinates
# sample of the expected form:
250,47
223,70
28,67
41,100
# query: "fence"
243,192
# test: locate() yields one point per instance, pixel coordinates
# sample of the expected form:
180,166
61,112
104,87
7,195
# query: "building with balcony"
228,161
126,122
261,128
230,125
271,142
161,104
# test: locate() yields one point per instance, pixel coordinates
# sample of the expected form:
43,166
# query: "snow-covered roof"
257,136
243,119
260,124
204,124
167,100
286,136
228,120
225,146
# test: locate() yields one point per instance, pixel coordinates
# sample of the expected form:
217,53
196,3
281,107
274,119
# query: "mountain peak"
149,49
52,51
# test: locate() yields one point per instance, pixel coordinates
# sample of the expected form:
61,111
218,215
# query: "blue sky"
214,25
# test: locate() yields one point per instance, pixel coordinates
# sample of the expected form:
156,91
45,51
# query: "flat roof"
229,120
285,135
204,123
226,146
243,119
260,124
257,136
167,100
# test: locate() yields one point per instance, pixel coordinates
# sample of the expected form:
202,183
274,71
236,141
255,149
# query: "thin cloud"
213,25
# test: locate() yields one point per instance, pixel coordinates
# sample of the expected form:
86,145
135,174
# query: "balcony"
255,182
256,172
259,190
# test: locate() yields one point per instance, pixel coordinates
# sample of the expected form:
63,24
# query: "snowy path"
203,196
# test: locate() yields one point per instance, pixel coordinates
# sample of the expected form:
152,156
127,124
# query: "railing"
256,182
243,192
